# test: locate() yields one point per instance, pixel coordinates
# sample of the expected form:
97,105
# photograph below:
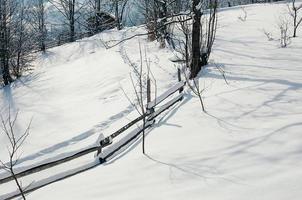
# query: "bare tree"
38,22
15,141
67,9
294,11
196,32
119,8
197,37
16,43
203,34
140,80
97,8
149,10
157,14
96,18
21,45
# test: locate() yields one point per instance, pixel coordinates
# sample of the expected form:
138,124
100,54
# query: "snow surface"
248,146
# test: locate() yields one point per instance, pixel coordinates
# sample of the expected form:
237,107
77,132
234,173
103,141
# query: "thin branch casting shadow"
191,172
168,114
222,121
132,145
78,138
135,143
176,167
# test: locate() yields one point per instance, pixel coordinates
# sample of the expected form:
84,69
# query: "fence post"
148,90
99,151
179,79
149,110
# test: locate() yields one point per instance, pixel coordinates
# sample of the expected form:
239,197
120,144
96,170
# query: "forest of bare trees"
55,22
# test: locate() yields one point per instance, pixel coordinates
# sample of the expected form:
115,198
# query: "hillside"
247,145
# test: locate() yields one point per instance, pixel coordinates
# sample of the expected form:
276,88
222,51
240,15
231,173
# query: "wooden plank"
165,95
50,164
119,145
110,152
108,140
46,183
165,107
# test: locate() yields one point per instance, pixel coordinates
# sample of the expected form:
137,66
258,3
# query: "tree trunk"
117,16
71,20
18,184
196,62
98,6
42,28
4,56
6,74
162,15
295,23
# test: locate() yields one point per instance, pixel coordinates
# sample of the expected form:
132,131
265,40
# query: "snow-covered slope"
248,145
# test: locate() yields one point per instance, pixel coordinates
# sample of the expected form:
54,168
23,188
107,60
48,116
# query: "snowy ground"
248,146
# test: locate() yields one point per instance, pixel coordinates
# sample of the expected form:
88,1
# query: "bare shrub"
268,35
140,78
283,26
244,16
16,140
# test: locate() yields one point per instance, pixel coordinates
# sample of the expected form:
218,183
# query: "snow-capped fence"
107,148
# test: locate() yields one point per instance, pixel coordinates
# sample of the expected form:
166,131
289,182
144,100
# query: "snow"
247,145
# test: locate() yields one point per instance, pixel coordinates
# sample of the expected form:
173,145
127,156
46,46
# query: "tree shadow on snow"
272,99
80,137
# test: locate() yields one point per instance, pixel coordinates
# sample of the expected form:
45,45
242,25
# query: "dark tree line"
23,28
20,21
15,39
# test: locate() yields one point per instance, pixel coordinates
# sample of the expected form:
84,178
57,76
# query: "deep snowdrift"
248,146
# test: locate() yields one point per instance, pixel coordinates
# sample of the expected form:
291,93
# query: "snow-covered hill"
248,145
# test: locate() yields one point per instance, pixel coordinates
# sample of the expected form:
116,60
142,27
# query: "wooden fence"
107,148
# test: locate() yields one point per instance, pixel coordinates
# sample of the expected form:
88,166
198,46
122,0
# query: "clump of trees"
68,10
20,21
203,34
23,20
16,43
157,14
188,27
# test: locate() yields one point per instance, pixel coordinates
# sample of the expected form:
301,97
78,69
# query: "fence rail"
48,165
107,149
